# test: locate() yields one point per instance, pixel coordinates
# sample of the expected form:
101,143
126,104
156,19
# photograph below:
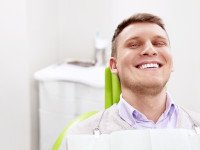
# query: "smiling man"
142,60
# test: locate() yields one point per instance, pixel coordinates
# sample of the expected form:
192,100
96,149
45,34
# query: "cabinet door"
89,98
58,97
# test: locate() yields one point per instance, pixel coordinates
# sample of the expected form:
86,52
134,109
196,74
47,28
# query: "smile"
149,66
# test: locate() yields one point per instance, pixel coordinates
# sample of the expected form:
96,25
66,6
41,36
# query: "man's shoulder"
85,126
192,115
103,119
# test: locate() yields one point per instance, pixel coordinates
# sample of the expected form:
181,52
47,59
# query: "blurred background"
35,34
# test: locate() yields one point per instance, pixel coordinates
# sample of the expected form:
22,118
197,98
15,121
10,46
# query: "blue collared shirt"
138,120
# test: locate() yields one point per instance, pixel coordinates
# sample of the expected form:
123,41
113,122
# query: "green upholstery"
112,88
112,95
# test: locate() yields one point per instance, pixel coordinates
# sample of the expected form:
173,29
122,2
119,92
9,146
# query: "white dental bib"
153,139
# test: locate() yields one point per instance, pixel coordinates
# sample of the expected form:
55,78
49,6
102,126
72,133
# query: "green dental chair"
112,95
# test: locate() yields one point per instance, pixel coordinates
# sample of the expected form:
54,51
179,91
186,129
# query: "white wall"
28,42
14,97
79,21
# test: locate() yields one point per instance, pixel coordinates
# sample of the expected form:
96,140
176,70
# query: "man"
141,58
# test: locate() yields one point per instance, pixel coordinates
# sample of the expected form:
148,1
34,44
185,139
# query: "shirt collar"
125,111
170,107
132,115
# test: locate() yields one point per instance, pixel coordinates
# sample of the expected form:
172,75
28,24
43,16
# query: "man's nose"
149,50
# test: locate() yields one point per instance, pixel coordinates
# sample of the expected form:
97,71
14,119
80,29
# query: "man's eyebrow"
137,38
160,37
132,38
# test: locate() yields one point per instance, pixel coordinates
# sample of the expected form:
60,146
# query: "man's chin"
149,88
153,84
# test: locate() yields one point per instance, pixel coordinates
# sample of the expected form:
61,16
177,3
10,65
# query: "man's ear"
172,70
113,65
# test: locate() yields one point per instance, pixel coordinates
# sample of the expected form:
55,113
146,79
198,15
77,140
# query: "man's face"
143,58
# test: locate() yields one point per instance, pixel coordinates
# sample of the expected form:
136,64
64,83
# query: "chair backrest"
112,95
60,138
112,88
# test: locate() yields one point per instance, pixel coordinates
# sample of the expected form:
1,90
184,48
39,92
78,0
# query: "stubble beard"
147,89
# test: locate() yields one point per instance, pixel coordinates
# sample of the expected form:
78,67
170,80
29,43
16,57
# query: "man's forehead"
137,30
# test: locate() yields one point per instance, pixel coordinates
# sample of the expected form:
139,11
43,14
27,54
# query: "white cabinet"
62,98
88,98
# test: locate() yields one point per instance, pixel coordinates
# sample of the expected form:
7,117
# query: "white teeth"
144,66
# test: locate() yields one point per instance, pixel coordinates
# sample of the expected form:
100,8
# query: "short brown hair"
137,18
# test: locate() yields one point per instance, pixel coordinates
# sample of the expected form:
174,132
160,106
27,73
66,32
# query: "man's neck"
152,106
